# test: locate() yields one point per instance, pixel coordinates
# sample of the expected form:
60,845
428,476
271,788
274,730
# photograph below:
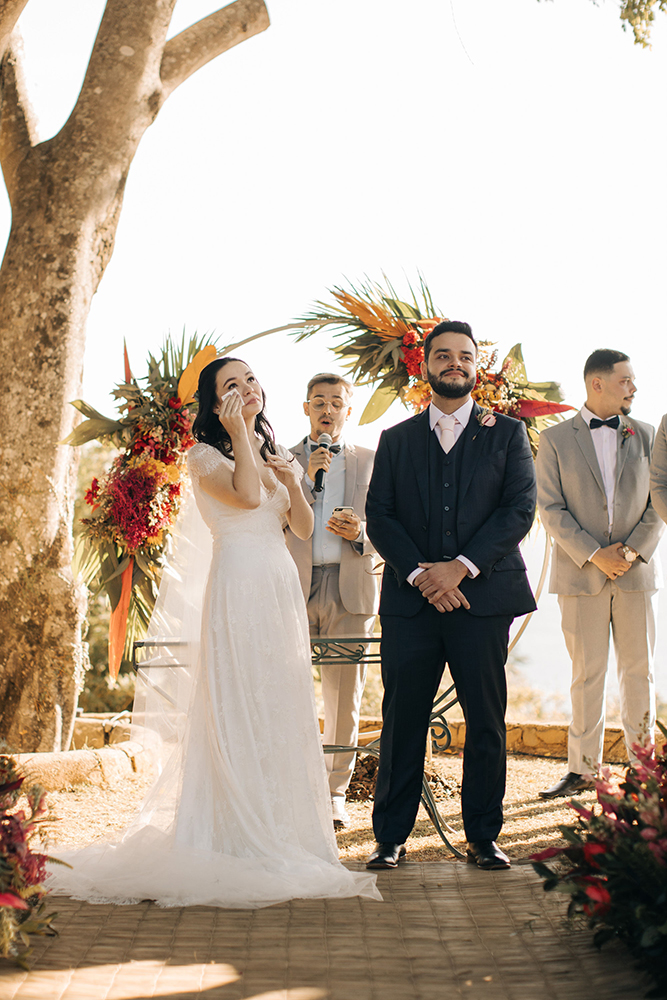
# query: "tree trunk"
54,260
66,197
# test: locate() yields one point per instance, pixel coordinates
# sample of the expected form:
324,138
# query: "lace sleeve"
289,457
203,459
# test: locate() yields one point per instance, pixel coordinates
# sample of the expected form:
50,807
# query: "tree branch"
18,132
121,92
208,38
10,11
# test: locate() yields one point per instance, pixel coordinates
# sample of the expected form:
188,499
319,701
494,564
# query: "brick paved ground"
445,930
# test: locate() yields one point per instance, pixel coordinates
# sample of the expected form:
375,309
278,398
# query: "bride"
240,815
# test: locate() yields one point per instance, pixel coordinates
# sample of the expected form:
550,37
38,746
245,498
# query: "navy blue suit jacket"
496,506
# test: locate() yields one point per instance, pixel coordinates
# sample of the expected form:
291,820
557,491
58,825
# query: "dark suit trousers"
414,653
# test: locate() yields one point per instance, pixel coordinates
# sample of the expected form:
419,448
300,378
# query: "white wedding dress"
240,815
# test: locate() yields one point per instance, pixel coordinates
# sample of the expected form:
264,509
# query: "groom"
451,496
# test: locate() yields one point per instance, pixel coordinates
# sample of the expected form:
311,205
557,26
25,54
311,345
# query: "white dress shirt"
605,442
327,547
461,418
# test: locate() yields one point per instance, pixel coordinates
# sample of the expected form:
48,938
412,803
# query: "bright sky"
513,151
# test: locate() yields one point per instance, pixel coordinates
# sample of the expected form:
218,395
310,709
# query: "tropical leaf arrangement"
121,549
614,867
381,342
22,870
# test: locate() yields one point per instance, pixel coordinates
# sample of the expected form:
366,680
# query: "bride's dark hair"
207,427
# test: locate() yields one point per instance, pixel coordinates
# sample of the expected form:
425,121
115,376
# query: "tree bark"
66,196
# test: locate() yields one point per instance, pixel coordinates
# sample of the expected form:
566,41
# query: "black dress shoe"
487,855
571,783
386,856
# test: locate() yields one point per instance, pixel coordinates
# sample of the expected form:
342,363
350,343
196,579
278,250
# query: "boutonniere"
485,418
626,432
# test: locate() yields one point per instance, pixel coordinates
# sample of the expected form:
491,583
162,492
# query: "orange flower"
373,315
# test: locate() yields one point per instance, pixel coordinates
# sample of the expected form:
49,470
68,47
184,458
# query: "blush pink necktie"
447,436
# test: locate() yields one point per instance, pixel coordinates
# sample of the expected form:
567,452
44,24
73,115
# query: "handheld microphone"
324,441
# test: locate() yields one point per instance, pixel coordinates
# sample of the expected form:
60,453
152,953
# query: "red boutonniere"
485,418
626,432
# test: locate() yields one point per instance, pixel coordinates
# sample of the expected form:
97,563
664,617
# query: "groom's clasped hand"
439,583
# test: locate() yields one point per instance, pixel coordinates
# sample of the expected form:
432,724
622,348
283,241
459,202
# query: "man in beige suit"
659,470
593,498
336,565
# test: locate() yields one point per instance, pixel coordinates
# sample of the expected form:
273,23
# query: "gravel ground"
531,823
87,813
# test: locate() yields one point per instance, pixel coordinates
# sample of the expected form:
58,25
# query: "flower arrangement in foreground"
133,507
615,865
383,344
21,869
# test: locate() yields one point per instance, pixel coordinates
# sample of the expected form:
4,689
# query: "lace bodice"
227,524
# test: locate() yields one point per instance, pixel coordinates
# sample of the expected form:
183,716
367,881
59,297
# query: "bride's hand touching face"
230,413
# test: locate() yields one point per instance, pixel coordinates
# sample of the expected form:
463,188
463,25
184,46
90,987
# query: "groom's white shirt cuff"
470,566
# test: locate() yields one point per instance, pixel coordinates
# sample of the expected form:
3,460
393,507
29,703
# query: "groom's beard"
450,390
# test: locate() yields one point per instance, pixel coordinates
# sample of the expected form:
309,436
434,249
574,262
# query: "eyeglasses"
319,404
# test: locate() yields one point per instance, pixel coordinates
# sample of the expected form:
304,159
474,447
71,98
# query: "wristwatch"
628,554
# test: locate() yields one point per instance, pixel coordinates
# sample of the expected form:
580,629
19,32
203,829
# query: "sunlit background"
512,152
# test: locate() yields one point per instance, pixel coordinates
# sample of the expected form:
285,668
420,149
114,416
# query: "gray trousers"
342,684
629,616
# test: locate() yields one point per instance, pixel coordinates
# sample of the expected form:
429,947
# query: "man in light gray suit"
659,470
593,498
336,565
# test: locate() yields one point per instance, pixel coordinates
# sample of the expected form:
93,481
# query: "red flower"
413,357
92,493
33,868
549,852
175,402
11,899
600,896
132,492
591,849
626,432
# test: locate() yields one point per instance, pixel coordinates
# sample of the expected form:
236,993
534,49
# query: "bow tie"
613,422
333,448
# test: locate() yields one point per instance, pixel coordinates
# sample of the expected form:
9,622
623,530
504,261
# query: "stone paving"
444,930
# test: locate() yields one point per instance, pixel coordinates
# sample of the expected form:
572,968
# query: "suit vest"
444,476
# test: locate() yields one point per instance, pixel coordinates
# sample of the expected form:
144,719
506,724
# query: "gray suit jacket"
659,470
573,507
357,581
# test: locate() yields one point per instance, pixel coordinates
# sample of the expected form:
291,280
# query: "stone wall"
545,740
539,739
